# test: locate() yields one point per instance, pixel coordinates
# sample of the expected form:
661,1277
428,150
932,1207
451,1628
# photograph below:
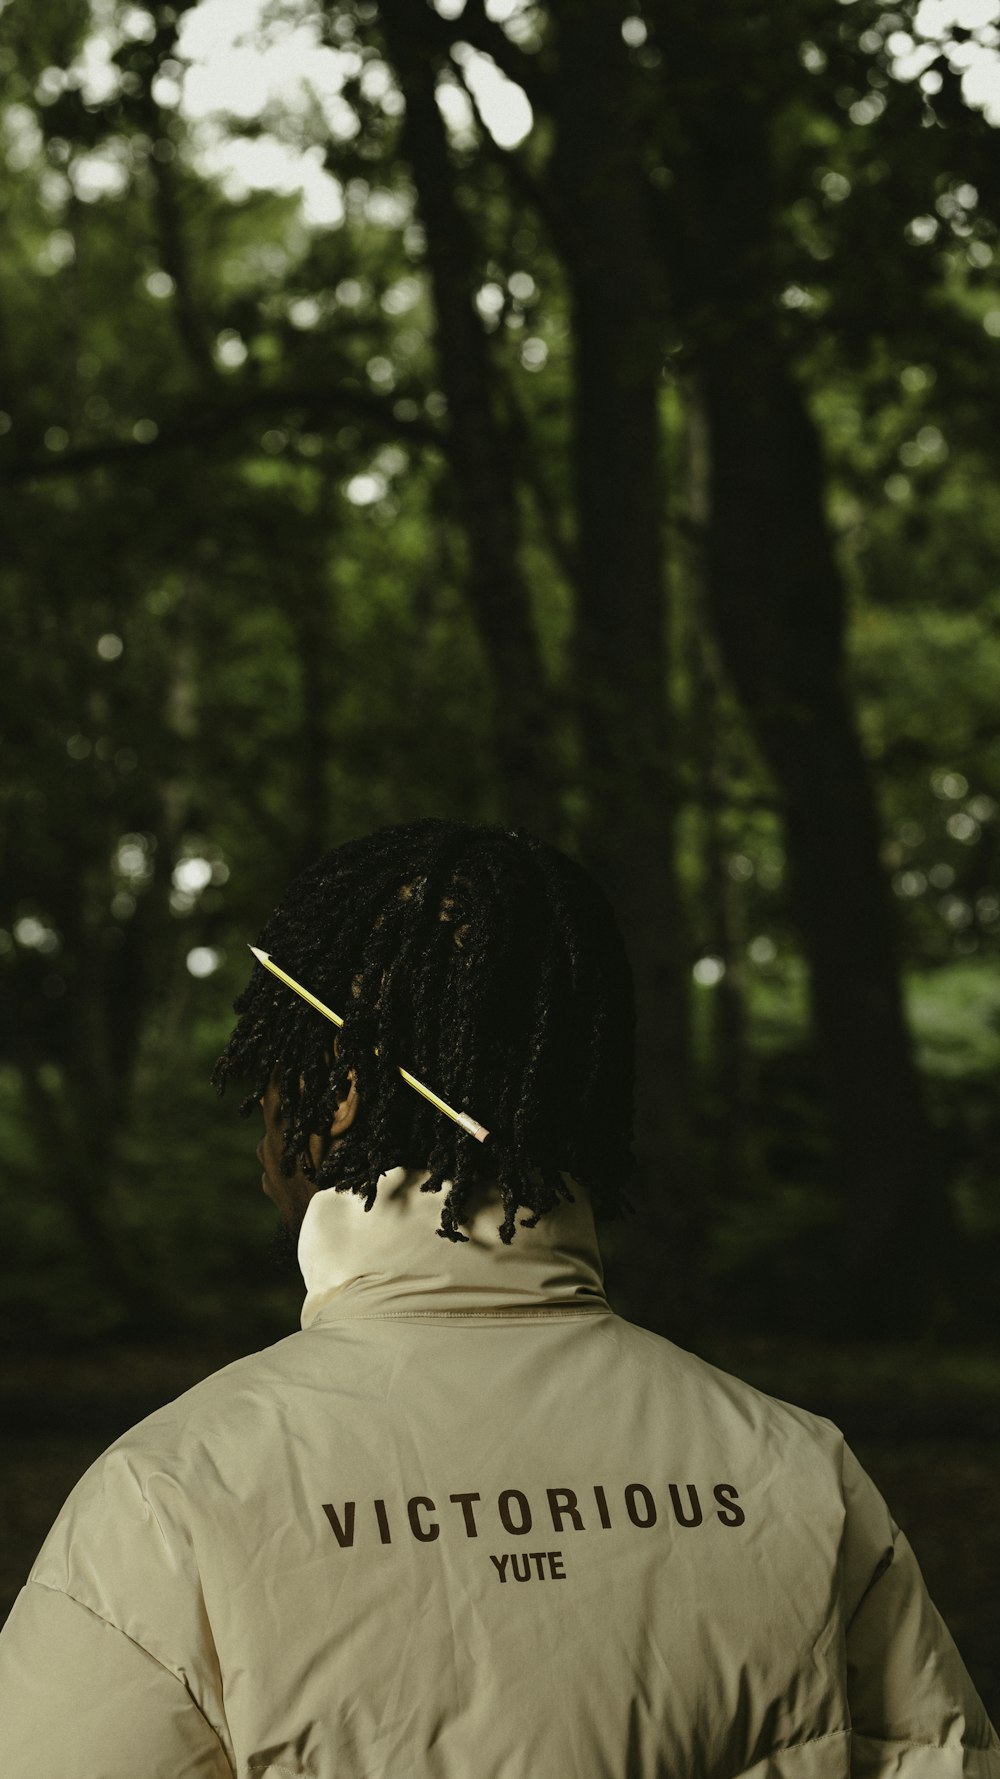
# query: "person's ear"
347,1108
348,1103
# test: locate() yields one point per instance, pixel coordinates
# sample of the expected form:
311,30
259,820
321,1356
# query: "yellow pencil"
467,1123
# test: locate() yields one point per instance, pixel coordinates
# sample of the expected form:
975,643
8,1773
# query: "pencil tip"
261,956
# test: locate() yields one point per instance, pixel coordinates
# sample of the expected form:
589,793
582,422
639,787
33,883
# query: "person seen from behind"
468,1522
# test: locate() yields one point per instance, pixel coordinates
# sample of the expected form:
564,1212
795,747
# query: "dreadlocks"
489,965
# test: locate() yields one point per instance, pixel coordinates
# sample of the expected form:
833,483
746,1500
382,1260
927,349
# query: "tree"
536,484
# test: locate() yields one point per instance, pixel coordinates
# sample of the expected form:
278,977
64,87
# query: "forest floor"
925,1425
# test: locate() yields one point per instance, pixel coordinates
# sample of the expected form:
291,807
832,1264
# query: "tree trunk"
779,615
778,610
620,644
730,1073
308,575
480,459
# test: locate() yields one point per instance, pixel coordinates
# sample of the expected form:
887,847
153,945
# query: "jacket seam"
913,1742
792,1748
464,1315
49,1589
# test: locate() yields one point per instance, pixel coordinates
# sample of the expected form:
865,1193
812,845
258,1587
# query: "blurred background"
561,414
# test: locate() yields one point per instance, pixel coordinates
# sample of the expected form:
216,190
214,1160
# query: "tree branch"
199,425
513,163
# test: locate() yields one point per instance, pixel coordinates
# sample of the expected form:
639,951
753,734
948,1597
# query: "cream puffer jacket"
469,1523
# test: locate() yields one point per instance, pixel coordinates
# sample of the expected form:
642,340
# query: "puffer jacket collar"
390,1261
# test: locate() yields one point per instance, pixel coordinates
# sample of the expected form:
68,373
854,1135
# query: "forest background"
570,415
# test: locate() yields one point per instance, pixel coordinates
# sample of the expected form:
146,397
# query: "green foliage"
235,587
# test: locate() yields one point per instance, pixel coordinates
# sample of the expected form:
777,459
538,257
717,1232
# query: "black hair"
488,964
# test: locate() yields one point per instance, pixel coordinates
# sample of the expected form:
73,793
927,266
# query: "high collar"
390,1261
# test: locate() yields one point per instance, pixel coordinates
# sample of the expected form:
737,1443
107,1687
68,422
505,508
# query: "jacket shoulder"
731,1400
225,1405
